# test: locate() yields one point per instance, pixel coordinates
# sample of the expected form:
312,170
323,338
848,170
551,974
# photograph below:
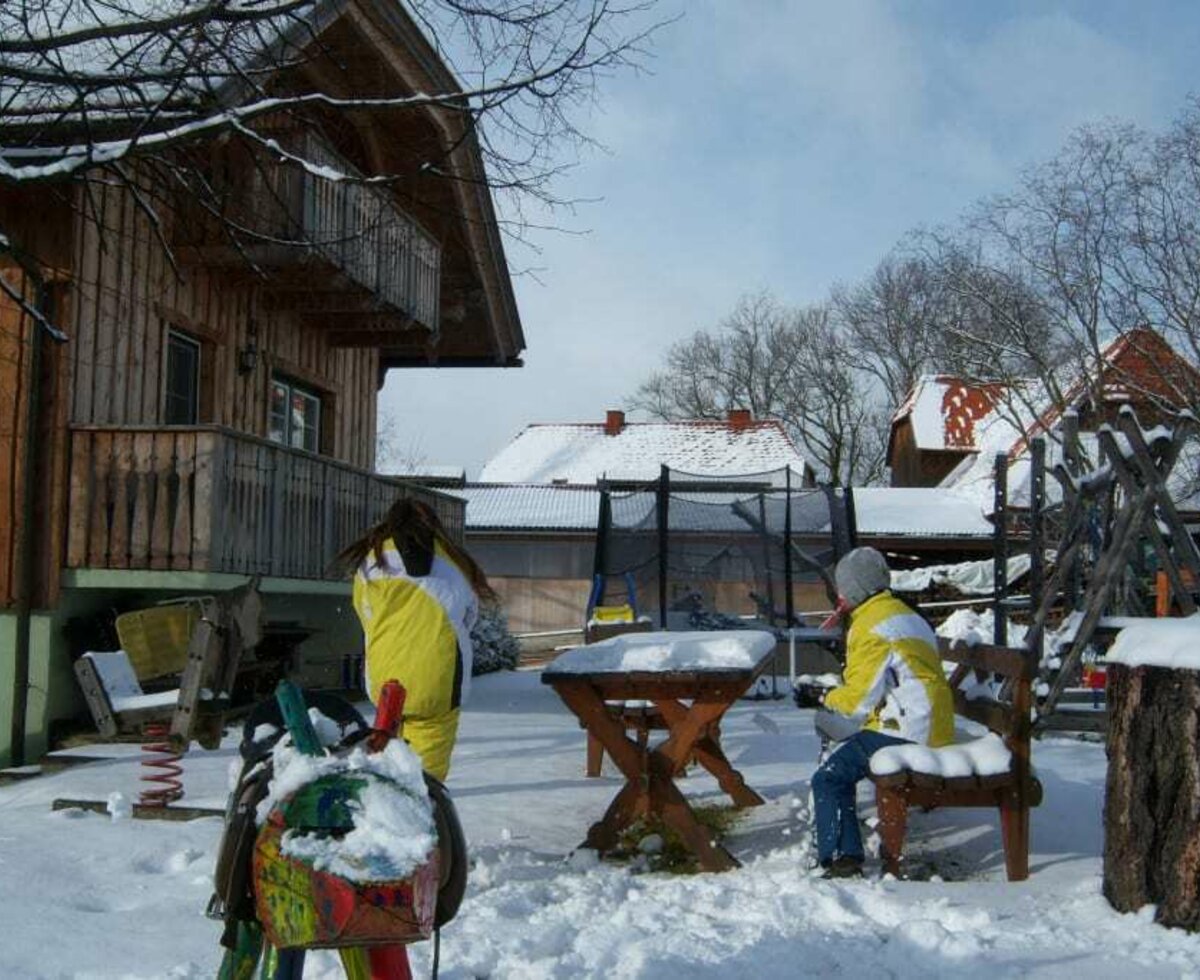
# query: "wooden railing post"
277,494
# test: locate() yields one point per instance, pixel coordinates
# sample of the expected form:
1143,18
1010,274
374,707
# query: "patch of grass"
674,857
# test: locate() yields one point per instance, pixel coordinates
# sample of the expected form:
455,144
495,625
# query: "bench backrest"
1008,718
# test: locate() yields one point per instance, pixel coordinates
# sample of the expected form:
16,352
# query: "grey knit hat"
860,574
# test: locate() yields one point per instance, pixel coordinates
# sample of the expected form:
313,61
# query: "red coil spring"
164,760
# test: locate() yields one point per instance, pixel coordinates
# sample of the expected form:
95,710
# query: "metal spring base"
164,762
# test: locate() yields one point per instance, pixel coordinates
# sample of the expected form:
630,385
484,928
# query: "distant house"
532,521
947,432
618,452
203,424
532,518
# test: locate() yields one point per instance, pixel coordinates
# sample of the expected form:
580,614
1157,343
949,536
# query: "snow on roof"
531,507
926,512
448,471
585,453
943,411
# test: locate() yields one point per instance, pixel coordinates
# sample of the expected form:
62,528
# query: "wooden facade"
361,278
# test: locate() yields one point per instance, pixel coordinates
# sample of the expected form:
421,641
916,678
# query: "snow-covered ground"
85,896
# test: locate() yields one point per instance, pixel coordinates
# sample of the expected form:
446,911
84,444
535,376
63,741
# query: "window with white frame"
295,415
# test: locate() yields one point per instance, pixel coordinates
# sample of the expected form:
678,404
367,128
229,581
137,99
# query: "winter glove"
809,695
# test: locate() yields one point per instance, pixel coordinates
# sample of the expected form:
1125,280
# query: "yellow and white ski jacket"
893,675
418,630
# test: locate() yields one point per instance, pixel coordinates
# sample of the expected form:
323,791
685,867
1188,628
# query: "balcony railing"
357,229
207,498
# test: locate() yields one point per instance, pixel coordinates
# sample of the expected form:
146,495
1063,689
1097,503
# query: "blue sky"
786,146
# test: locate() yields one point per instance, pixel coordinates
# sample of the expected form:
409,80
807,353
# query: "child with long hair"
417,596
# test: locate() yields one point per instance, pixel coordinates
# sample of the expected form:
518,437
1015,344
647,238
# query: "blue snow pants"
833,794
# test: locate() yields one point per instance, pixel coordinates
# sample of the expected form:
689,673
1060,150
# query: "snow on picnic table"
88,898
676,651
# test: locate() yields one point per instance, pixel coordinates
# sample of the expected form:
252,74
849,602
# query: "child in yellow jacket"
417,595
894,686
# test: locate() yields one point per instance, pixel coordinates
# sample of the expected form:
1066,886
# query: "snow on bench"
115,696
985,756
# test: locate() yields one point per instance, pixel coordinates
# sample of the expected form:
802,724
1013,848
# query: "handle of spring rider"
388,716
295,718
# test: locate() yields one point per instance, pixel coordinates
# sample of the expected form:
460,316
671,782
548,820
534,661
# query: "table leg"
676,813
633,799
701,722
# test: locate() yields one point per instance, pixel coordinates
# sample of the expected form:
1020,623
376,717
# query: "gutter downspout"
29,483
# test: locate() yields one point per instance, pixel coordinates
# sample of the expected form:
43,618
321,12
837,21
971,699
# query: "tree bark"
1152,800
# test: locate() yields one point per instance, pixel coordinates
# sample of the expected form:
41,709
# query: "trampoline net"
695,552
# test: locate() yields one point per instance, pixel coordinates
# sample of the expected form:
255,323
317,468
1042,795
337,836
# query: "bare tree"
122,92
791,365
891,318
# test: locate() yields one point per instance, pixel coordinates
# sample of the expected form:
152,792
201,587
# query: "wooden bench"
971,774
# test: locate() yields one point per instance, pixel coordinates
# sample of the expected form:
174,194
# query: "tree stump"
1152,798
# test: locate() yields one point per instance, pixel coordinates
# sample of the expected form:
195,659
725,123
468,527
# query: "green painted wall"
59,635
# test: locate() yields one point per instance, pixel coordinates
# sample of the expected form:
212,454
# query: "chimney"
614,422
739,419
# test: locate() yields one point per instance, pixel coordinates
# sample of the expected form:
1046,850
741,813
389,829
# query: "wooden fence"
206,498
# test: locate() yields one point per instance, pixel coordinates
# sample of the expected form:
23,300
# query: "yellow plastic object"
156,639
613,614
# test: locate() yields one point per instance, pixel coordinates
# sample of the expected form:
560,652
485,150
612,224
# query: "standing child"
417,595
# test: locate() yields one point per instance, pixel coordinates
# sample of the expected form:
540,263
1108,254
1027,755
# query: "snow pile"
83,897
1171,643
393,817
968,577
698,650
973,628
986,756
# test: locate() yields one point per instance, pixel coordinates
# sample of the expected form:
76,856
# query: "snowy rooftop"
943,411
586,452
531,507
926,512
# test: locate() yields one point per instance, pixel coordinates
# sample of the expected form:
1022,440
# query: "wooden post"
1037,556
1000,552
664,512
1151,819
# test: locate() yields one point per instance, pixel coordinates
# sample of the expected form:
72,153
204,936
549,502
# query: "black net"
691,552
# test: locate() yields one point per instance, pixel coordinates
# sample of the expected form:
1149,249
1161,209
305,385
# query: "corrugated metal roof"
919,512
533,508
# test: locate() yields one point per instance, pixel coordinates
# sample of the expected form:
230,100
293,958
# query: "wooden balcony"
345,249
207,498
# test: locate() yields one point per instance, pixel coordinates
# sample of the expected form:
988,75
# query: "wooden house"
215,418
946,422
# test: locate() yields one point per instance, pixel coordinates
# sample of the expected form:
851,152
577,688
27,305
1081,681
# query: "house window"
295,415
181,400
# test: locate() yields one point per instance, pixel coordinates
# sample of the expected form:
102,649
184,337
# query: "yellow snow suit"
418,631
893,675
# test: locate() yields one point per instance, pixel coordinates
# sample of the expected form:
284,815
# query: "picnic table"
693,678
